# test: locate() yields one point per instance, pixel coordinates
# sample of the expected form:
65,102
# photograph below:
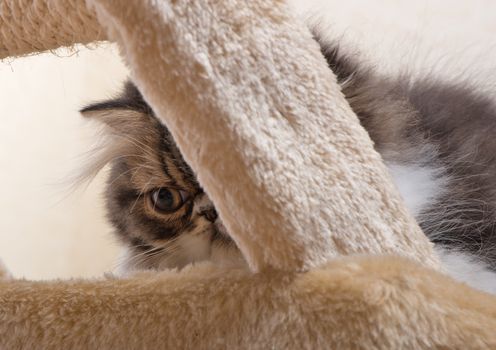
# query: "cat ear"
127,113
116,115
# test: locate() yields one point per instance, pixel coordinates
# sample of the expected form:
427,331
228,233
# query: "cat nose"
210,214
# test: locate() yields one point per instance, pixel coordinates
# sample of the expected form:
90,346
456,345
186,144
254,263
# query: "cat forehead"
139,143
147,154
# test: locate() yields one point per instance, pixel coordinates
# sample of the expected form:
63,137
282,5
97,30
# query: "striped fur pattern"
144,159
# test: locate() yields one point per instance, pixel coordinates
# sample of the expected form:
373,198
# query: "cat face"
153,199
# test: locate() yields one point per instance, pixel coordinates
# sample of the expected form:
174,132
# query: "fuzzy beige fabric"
259,116
27,26
359,303
246,81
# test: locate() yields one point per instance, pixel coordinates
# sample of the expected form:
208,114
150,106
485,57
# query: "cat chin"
194,249
464,267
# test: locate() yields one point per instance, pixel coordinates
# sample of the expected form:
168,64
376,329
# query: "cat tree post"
248,83
30,26
276,146
261,120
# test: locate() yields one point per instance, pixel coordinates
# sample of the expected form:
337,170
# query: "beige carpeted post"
29,26
260,118
257,114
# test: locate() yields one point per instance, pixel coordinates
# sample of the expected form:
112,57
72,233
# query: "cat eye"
167,200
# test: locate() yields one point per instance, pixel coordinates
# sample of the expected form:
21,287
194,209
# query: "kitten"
436,139
154,202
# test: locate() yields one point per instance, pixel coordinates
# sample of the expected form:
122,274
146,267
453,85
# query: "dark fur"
460,125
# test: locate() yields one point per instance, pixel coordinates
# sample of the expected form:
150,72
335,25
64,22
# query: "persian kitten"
437,139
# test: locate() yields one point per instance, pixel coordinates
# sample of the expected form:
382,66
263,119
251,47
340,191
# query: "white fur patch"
466,268
418,185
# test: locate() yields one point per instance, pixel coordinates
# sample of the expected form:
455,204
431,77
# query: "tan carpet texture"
245,80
